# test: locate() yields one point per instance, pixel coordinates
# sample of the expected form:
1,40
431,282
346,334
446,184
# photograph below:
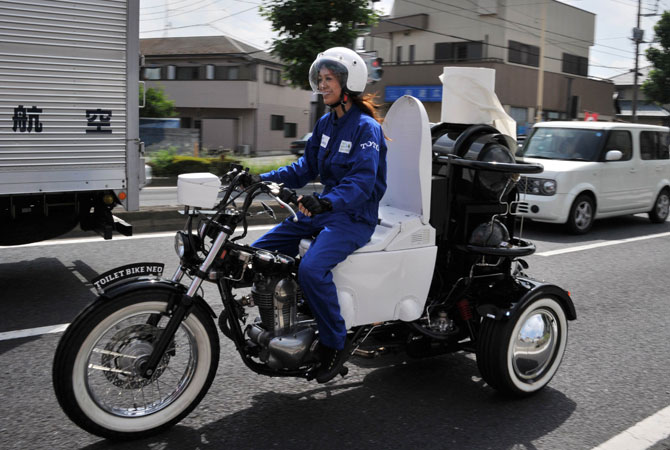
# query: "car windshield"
563,143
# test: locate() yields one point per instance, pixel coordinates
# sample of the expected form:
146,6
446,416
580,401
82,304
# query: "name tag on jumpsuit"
345,147
324,140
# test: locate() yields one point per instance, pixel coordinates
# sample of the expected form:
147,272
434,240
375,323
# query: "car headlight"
538,186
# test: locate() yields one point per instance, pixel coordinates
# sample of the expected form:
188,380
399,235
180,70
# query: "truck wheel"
659,213
582,215
520,355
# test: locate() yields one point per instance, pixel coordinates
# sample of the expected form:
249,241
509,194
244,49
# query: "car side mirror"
613,155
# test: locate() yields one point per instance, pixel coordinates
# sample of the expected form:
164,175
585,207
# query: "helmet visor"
337,69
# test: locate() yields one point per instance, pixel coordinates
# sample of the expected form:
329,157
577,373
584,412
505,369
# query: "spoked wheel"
519,356
97,367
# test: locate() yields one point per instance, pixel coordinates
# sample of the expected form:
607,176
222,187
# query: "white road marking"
18,334
580,248
642,435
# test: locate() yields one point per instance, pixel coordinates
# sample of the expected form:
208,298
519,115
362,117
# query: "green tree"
157,104
657,86
308,27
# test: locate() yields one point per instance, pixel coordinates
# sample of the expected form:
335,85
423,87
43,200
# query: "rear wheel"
659,213
519,356
98,363
582,215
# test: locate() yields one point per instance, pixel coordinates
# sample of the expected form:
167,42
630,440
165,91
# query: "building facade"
417,41
232,92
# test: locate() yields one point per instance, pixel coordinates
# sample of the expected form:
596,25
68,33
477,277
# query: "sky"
612,54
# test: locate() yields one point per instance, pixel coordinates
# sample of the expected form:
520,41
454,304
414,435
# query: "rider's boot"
332,363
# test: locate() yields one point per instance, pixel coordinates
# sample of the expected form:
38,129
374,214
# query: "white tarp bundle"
468,96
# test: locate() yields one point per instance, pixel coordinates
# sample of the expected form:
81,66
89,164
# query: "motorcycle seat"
397,230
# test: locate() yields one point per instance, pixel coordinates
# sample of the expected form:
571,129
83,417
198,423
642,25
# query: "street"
614,373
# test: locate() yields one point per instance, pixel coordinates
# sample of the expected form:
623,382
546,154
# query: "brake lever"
287,206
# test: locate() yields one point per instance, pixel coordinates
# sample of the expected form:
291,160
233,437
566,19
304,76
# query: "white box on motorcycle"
198,189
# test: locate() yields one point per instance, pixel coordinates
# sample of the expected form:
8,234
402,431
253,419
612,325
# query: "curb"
157,219
169,218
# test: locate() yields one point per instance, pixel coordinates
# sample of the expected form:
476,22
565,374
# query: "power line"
169,5
178,13
202,24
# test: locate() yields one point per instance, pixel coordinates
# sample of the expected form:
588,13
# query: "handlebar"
492,166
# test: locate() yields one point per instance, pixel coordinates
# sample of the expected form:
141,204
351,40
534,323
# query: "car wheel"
582,215
659,213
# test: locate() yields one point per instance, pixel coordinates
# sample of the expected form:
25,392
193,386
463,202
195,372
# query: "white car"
594,170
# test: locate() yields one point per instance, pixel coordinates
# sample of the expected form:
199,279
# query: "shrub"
166,163
188,164
161,160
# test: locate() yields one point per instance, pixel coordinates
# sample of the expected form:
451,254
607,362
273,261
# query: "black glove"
248,179
315,205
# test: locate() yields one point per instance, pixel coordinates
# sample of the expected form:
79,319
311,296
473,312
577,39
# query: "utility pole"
638,38
540,73
638,34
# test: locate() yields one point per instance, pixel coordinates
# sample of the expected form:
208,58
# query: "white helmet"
346,64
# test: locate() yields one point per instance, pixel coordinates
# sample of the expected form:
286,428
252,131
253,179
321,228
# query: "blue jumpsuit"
349,154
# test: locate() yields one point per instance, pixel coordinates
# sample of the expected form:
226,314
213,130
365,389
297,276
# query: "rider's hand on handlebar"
311,205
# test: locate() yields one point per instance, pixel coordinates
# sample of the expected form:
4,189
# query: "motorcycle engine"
276,298
283,342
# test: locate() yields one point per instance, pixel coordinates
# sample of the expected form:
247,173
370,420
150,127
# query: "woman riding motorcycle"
348,152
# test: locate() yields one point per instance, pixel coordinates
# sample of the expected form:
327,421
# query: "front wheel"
519,356
582,215
661,209
98,361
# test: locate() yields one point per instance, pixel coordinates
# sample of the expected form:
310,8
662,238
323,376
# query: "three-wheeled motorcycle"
443,272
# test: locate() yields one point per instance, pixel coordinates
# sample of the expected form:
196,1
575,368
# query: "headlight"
538,186
180,244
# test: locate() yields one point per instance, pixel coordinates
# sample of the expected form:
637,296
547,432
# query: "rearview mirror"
613,155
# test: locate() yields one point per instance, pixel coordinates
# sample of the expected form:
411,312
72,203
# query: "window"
188,73
564,143
519,114
528,55
398,54
276,122
290,129
233,73
411,53
209,71
170,72
458,51
654,145
151,73
272,76
577,65
622,141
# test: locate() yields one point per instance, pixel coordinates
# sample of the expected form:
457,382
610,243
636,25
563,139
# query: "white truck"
69,140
